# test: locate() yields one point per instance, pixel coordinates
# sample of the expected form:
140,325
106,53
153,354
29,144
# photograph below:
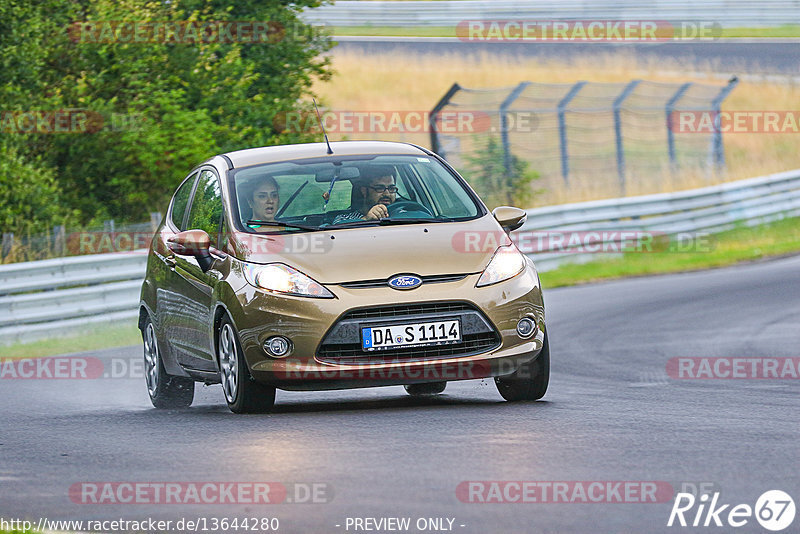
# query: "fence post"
717,150
618,131
435,146
59,240
669,109
155,219
504,124
108,226
562,128
8,244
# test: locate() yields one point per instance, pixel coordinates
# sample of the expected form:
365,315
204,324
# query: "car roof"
272,154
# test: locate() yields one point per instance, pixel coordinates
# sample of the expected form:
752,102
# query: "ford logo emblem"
405,281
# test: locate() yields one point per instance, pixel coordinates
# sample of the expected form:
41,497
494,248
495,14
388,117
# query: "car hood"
378,252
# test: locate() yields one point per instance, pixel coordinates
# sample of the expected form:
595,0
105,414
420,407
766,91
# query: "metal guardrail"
40,299
46,298
709,209
729,13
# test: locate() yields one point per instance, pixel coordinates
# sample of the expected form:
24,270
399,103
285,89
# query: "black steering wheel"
408,209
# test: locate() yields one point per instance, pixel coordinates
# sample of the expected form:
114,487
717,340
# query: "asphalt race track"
740,56
611,414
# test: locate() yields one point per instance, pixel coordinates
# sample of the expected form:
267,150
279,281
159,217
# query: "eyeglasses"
380,188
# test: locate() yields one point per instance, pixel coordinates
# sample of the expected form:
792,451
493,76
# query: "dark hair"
247,191
258,182
371,172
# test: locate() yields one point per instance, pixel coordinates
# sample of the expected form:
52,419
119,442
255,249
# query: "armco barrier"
47,298
710,209
728,13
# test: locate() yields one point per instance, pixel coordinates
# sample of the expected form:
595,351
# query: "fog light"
526,327
277,346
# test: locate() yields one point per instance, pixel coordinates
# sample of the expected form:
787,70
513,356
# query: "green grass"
726,248
94,338
786,31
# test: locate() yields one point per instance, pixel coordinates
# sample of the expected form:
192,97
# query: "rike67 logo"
774,510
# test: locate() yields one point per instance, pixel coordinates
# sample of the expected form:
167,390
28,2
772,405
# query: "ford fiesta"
354,264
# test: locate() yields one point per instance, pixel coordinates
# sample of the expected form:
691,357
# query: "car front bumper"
306,322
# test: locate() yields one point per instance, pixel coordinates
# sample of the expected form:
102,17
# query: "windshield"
341,193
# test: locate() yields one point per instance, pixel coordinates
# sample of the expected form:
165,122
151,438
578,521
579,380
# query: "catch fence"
594,131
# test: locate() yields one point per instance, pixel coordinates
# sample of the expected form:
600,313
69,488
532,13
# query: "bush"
487,174
30,198
184,102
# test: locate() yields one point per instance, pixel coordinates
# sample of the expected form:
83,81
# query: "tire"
424,390
242,393
166,391
530,381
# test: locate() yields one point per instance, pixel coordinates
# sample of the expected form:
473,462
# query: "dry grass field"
396,82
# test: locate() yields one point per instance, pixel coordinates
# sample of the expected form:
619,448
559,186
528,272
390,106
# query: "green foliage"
486,173
29,195
156,108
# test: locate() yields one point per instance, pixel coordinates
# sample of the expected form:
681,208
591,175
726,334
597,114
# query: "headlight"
283,279
506,263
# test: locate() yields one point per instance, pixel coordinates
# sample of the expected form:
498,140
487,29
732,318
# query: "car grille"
342,344
384,282
408,309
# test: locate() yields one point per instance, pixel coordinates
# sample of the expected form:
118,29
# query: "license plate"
410,335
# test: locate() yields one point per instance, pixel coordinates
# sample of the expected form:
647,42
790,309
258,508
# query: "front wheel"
165,391
530,381
242,393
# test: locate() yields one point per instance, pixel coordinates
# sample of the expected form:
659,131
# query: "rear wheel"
423,390
165,391
530,381
242,393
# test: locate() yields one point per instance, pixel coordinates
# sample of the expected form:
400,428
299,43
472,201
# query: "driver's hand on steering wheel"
378,211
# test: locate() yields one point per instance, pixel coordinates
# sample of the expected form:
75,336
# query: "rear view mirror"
344,173
193,243
189,243
509,218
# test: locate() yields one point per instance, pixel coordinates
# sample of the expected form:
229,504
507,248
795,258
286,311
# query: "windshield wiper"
387,221
353,224
282,224
412,220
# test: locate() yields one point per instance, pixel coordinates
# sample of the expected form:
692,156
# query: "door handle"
170,261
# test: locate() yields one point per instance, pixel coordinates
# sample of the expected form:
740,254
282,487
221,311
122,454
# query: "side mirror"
193,243
509,218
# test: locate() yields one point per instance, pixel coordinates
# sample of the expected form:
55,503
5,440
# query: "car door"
190,333
169,302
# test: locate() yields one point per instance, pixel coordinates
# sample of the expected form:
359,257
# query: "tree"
487,174
157,106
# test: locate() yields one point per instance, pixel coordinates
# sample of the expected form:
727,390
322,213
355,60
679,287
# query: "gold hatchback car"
354,264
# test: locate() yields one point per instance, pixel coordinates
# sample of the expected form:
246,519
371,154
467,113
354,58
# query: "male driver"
377,191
